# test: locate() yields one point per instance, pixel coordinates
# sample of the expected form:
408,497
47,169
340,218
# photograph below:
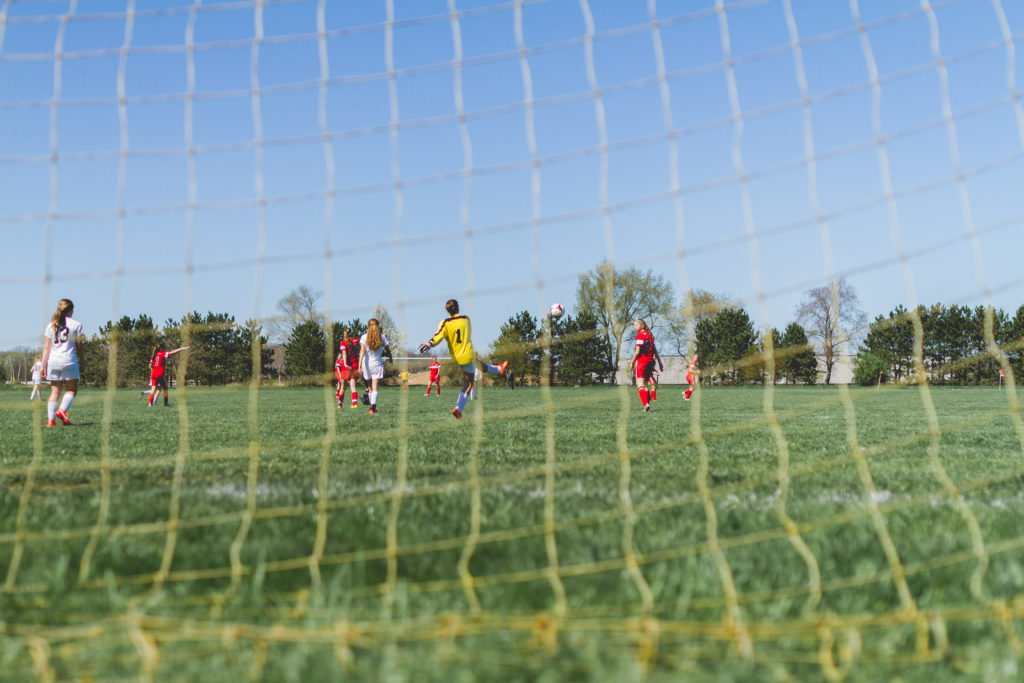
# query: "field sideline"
270,534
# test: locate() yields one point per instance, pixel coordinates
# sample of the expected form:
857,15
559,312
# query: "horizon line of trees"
954,345
221,350
589,347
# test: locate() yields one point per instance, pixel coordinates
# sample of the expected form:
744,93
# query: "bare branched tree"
295,308
833,319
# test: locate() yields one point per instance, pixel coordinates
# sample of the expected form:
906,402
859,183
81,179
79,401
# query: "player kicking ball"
457,331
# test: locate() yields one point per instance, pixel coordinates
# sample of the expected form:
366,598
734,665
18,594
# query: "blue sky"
384,214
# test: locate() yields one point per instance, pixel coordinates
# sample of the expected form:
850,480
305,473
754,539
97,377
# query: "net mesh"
280,546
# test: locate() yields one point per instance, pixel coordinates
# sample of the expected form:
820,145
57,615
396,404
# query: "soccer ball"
556,310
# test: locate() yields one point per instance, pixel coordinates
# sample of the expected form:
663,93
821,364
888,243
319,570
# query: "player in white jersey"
37,379
373,346
60,361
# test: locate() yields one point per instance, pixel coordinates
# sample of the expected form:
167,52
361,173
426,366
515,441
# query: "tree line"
221,350
954,346
717,327
587,348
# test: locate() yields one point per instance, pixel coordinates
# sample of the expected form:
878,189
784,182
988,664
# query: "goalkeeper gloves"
424,347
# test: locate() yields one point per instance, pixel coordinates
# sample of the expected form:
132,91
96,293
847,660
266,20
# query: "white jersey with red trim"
63,344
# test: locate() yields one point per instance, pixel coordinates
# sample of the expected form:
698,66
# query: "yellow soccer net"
173,158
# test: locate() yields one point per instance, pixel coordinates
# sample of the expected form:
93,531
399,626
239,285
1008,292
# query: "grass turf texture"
271,534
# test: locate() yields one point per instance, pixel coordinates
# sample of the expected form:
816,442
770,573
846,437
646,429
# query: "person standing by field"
435,376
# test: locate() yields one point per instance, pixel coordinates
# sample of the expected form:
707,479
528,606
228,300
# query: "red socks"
643,396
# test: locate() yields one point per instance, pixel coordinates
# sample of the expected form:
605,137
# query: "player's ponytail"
152,356
64,309
373,340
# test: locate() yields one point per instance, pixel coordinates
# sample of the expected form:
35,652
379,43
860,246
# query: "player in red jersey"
645,355
691,377
435,376
346,368
157,377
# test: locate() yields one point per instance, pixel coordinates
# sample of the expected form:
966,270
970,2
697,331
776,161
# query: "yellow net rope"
207,574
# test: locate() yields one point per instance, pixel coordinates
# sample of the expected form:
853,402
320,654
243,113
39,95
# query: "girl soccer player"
37,379
644,356
435,376
457,331
60,361
157,376
691,379
373,346
348,349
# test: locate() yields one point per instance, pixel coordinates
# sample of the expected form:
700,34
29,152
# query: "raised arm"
171,353
47,343
435,340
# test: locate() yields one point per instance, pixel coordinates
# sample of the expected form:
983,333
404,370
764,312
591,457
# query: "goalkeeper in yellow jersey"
457,330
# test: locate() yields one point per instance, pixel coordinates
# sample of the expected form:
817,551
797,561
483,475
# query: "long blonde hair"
373,340
64,308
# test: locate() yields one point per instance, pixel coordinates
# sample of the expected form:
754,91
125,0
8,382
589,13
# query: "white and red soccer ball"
556,311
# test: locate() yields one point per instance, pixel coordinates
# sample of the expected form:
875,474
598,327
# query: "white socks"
51,410
66,400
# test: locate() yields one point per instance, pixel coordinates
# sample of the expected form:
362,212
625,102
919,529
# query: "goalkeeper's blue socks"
493,368
461,403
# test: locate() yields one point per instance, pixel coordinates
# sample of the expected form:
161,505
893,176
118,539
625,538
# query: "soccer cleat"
63,417
647,408
51,423
686,394
502,367
457,413
373,411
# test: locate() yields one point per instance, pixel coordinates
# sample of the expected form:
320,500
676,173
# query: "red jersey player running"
435,376
691,372
346,367
644,356
157,376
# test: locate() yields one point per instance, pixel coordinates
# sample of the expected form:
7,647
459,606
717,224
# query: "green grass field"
271,535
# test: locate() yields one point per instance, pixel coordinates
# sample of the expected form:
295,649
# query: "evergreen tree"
583,351
304,352
518,342
868,367
723,341
798,363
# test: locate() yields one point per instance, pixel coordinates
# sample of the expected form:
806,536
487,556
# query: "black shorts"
158,382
